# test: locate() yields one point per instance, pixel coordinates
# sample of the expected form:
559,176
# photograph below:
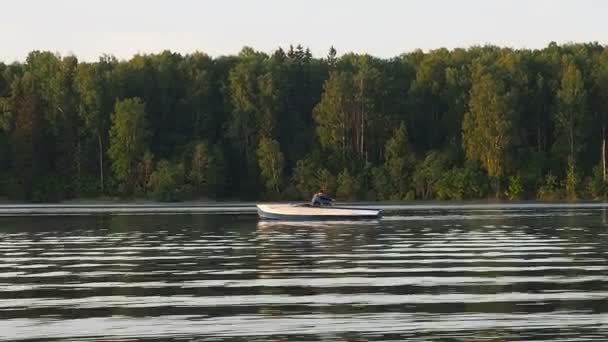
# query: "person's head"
321,191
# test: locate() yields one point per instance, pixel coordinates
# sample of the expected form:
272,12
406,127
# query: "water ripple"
516,273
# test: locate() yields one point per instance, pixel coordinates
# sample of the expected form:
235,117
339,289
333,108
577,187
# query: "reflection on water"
511,274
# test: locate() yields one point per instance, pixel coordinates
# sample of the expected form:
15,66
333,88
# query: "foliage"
9,187
271,162
199,168
380,183
128,143
397,165
90,83
166,180
428,173
285,124
348,186
143,172
515,189
304,177
571,97
462,183
596,186
346,113
216,173
487,126
326,181
331,114
550,190
310,177
572,184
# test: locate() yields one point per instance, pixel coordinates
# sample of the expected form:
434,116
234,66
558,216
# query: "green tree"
492,112
397,163
271,163
143,171
596,185
572,98
326,181
549,190
255,102
428,173
425,95
166,180
27,136
128,141
347,112
198,120
217,180
304,177
462,183
381,185
515,189
90,110
300,78
600,105
309,177
331,113
348,186
52,77
199,168
367,84
248,115
487,126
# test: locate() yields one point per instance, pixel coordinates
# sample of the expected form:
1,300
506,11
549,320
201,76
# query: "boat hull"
306,212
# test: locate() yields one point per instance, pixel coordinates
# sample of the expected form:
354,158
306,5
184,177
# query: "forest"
476,123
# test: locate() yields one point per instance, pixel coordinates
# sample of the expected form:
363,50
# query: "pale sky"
384,28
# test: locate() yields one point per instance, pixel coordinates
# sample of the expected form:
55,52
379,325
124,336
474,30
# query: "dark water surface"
524,273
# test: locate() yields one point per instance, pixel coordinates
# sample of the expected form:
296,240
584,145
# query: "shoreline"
204,207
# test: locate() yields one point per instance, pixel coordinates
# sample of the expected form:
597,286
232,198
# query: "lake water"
467,273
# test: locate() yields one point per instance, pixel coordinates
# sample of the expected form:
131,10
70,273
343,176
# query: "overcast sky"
382,28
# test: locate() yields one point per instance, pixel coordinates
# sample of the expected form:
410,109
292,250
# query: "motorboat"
314,212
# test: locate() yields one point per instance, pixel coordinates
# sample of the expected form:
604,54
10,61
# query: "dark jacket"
320,199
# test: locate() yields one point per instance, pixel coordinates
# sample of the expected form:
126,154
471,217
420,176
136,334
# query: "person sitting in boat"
320,199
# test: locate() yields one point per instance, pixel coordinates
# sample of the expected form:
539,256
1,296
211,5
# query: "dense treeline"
446,124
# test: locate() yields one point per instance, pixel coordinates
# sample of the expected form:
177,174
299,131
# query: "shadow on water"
465,274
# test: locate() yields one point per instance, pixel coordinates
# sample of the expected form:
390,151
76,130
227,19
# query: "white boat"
310,212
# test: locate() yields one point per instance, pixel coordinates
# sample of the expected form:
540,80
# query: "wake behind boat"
314,212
